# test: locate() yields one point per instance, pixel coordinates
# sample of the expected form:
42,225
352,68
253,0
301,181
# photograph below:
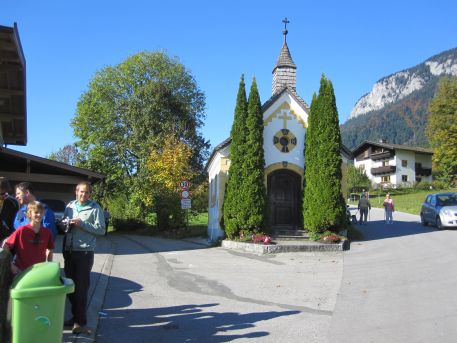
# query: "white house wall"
217,171
409,170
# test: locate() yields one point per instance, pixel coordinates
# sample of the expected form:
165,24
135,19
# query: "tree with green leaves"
128,112
232,215
68,155
357,179
324,207
442,129
254,194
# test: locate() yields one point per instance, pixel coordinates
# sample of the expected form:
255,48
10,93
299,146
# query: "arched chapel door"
284,189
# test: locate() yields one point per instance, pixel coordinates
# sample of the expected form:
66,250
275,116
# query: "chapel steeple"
285,71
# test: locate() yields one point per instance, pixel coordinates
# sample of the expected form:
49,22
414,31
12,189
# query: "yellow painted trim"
225,164
277,166
284,106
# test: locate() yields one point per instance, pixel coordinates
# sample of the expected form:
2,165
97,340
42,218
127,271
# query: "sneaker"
77,329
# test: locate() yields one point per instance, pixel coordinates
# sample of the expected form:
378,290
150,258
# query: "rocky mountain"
396,107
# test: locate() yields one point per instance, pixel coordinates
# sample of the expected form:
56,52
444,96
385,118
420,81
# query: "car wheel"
423,220
439,226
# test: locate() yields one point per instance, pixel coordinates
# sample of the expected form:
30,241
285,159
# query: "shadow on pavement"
378,229
185,323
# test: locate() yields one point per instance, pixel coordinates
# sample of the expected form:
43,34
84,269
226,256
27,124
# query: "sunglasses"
36,239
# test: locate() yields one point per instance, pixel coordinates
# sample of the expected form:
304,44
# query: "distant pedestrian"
364,206
107,217
389,208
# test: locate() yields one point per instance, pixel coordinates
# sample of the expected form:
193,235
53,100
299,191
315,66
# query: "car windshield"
447,200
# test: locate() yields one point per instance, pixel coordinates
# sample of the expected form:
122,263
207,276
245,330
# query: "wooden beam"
9,92
43,178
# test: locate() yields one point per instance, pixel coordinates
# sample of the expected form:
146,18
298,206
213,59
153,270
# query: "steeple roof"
285,59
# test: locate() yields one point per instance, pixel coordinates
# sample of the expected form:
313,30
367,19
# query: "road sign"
186,204
184,184
185,194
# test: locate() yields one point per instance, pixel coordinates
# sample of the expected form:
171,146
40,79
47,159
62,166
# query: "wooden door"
283,198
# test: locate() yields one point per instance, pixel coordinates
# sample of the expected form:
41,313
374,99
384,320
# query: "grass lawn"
198,225
408,203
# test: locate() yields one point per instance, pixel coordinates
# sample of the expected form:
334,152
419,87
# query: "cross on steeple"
285,32
285,117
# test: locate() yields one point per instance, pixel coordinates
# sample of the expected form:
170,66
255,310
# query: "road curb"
284,246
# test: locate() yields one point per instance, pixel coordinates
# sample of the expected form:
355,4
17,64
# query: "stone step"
291,234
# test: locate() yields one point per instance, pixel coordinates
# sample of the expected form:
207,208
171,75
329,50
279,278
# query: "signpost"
186,201
186,198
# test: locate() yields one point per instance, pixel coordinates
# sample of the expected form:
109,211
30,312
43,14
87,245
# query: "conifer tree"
232,214
253,196
323,204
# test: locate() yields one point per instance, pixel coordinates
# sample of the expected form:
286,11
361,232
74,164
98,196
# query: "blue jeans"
389,218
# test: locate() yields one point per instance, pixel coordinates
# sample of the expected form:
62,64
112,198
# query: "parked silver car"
440,210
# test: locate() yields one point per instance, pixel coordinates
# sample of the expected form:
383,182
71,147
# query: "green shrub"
423,185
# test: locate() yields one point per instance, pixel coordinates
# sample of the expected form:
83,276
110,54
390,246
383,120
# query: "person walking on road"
364,206
86,221
389,208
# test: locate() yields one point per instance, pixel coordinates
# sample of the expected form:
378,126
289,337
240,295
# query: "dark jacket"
364,203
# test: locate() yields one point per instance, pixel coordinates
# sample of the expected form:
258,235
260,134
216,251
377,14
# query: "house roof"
13,111
362,146
17,165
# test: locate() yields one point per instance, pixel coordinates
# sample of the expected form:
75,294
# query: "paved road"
172,291
399,284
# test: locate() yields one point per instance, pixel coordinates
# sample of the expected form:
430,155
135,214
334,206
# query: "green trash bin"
38,297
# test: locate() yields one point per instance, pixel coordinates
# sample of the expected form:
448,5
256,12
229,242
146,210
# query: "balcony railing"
381,155
424,171
383,170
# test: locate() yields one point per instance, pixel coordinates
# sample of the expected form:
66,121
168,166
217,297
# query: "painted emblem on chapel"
284,140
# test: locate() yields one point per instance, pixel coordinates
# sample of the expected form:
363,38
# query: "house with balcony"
393,164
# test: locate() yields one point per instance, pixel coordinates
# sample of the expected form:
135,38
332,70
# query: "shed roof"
13,109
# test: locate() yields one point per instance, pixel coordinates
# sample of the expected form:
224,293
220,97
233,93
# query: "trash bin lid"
39,275
42,279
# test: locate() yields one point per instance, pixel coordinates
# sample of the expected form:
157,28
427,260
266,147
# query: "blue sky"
354,43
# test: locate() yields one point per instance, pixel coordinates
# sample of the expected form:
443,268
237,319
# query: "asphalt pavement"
397,285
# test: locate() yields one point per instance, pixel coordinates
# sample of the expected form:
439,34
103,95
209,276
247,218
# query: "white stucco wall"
285,105
409,170
216,172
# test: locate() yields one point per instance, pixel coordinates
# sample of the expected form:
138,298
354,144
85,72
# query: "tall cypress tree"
253,197
323,205
232,214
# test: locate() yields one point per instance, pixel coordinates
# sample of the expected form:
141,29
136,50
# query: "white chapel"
285,120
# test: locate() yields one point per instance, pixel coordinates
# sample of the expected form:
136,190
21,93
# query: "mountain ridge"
396,86
396,109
